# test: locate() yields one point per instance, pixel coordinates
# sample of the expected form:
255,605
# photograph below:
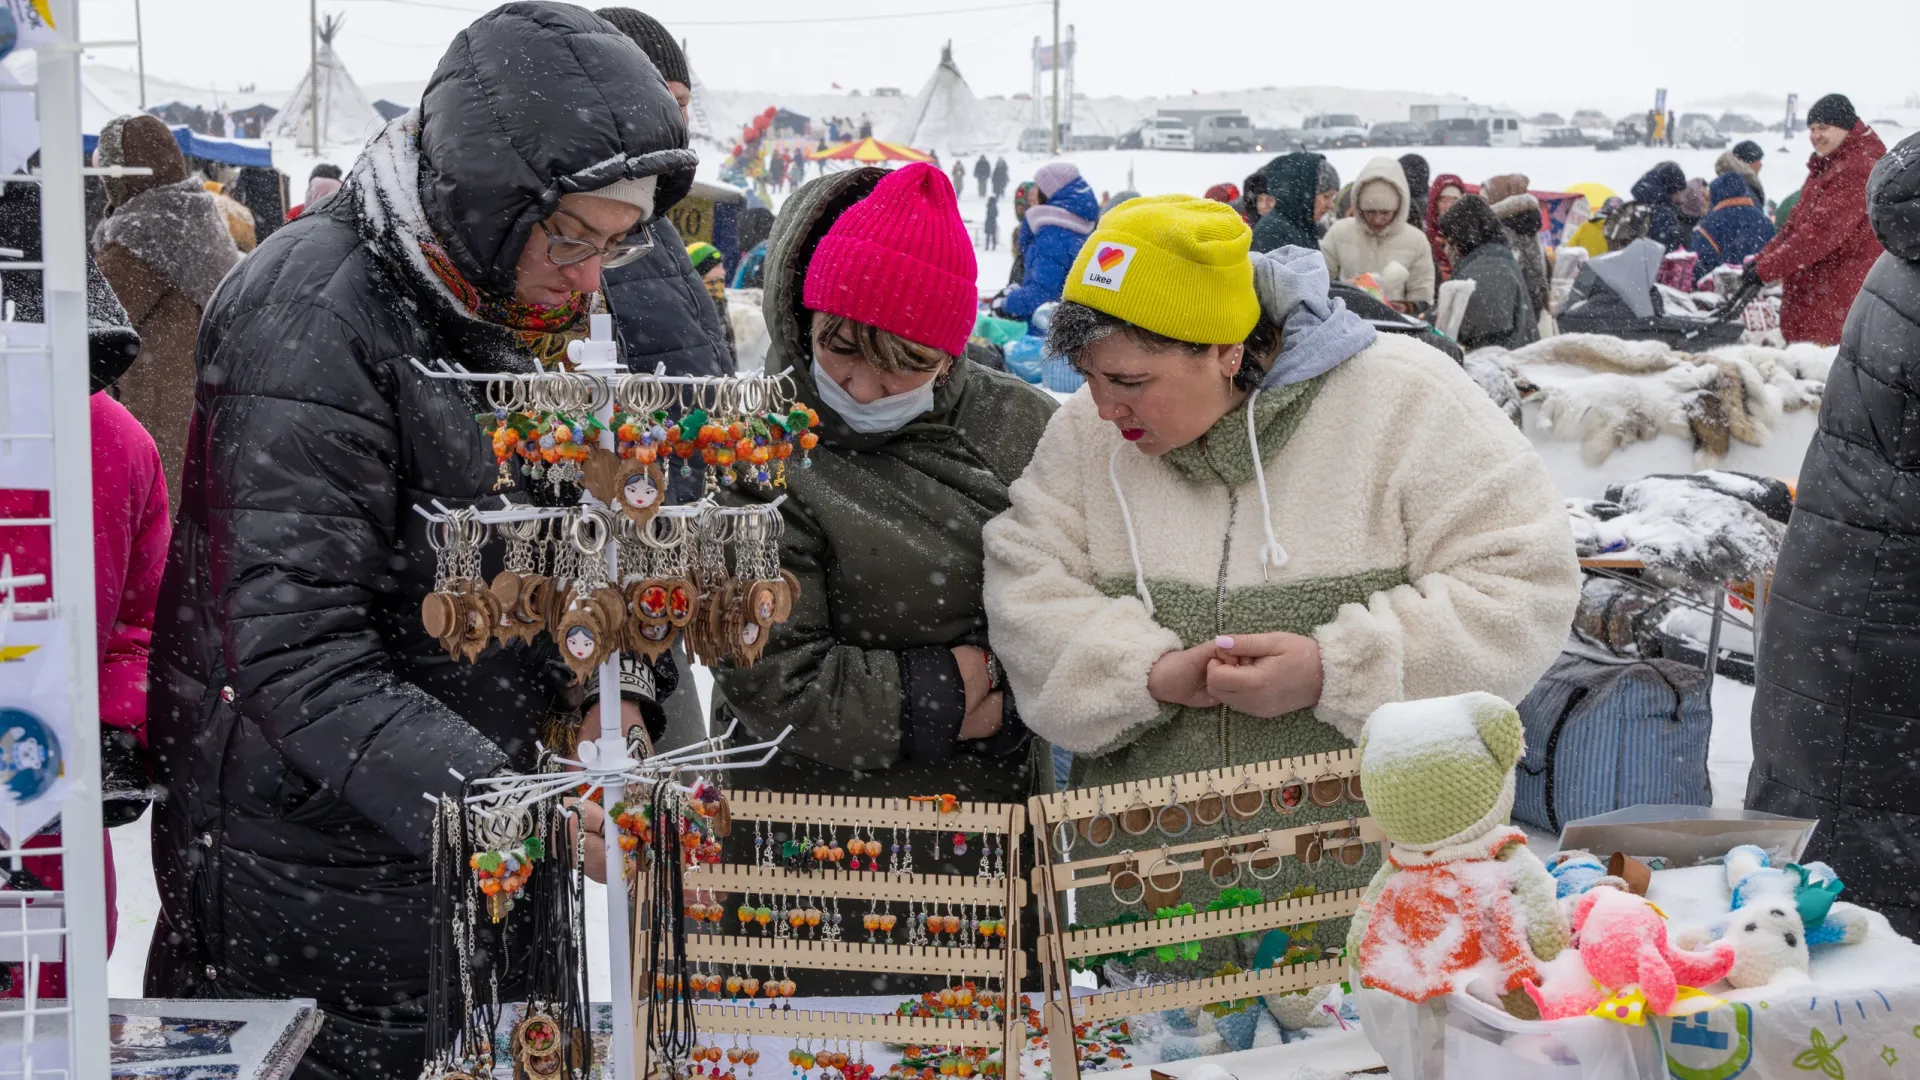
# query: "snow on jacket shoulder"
1429,555
1054,230
1734,229
1847,639
1352,248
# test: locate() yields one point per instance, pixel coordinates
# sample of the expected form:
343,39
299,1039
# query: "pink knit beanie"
900,259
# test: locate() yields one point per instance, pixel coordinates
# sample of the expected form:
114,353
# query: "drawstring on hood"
1317,335
1133,541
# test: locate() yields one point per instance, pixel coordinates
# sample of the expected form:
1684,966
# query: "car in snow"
1326,131
1279,140
1228,132
1396,133
1564,135
1166,133
1458,131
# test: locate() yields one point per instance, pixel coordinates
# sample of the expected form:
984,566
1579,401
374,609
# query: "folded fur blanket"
1629,391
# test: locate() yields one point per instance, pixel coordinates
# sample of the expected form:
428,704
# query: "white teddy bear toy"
1778,913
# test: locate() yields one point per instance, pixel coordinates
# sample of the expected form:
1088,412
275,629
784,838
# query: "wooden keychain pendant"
639,491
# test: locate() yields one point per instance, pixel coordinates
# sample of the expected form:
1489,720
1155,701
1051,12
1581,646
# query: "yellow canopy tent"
869,152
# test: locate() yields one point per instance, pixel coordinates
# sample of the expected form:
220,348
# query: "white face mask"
878,415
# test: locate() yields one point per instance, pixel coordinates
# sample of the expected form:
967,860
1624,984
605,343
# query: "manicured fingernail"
1223,642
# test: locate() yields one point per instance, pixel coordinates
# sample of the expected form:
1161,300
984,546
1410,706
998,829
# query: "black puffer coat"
1836,720
298,711
662,313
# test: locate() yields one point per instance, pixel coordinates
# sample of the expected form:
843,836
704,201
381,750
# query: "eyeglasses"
566,250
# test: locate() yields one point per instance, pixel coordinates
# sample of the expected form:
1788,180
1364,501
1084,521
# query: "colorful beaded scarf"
542,329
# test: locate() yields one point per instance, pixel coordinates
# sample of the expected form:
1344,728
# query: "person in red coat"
130,533
1825,249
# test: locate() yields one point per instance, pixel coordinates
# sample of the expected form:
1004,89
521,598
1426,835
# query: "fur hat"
1500,187
137,141
1440,772
1470,223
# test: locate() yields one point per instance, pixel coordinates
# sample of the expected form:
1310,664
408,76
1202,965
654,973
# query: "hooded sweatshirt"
1419,542
1353,248
1293,180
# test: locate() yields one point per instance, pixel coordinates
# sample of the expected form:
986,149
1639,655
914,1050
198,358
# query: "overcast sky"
1549,55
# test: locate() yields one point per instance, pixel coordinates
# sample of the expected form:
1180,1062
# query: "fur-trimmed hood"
177,230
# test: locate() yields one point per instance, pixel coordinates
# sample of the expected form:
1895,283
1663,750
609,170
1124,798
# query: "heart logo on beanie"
1108,267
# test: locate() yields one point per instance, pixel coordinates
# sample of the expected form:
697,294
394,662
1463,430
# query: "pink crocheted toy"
1622,942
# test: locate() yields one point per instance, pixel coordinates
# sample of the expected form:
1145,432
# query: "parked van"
1228,132
1503,129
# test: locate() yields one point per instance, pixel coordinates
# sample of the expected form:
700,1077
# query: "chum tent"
347,115
945,116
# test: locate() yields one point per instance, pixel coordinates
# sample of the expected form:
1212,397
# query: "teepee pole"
313,69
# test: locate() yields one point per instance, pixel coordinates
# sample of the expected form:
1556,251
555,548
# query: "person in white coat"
1378,237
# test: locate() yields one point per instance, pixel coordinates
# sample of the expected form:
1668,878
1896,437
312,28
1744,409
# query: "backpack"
1603,736
1627,223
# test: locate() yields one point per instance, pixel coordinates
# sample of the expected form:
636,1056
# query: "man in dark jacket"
661,311
299,711
983,172
1498,312
1836,724
1657,191
999,177
1287,206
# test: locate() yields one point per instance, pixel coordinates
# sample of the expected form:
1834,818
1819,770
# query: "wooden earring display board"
1004,821
1262,848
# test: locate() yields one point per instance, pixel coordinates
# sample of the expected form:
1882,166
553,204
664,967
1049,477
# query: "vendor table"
151,1039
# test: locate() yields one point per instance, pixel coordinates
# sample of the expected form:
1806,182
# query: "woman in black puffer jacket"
298,710
1836,722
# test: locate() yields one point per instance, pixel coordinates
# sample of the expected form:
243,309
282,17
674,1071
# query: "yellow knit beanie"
1173,264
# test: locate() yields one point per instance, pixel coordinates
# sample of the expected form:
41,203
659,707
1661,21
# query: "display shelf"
1064,824
907,820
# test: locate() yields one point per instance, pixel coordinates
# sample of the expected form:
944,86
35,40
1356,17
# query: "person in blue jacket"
1050,238
1734,229
1657,190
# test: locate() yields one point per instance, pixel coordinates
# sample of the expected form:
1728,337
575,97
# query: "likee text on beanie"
1173,264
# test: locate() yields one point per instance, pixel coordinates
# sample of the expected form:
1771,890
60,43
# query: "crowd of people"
1262,519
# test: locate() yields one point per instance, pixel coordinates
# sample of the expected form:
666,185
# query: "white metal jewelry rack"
605,763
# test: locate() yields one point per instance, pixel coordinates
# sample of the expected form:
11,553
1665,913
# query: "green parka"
883,532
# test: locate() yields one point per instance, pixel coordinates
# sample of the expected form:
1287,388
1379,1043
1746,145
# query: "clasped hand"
1264,675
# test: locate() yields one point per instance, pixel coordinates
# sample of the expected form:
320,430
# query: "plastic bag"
1461,1038
997,330
1025,356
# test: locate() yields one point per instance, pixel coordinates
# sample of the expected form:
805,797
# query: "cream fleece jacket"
1429,554
1353,249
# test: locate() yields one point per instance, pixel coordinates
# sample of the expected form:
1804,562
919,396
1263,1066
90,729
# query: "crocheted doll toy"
1622,944
1779,914
1459,896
